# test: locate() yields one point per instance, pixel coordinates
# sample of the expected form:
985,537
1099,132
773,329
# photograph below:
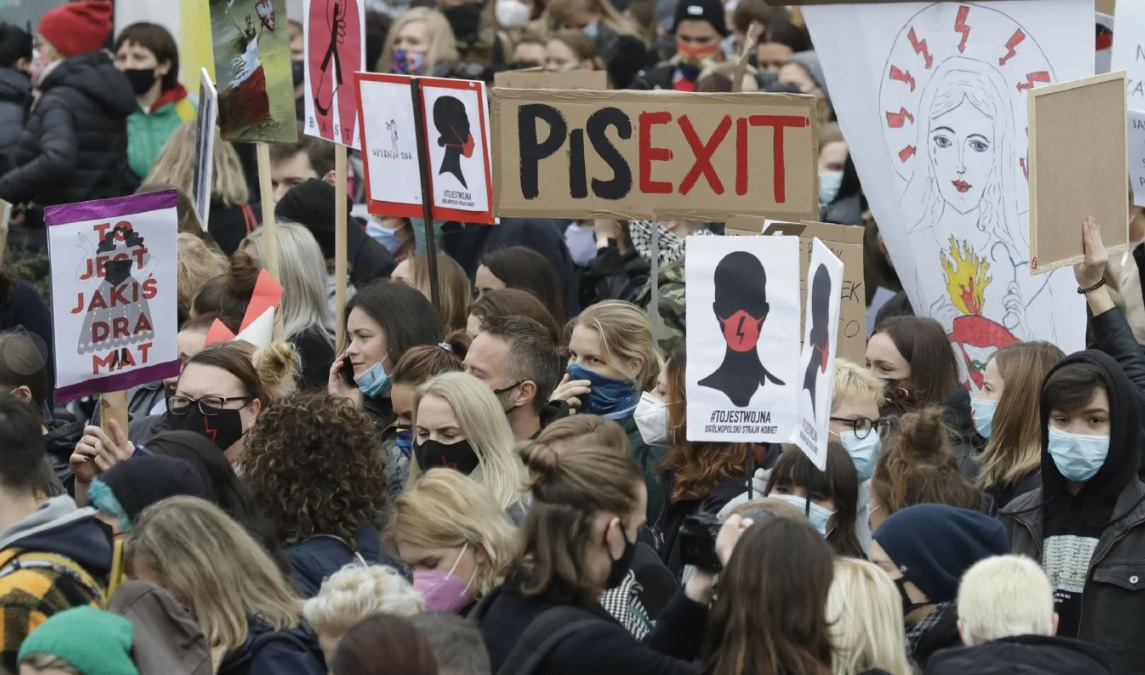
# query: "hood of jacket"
1023,655
553,411
166,639
60,527
15,86
61,439
94,75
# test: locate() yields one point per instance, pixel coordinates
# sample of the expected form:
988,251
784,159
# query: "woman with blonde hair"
231,217
459,424
453,284
864,612
612,360
305,317
244,606
420,42
617,41
454,535
355,593
198,262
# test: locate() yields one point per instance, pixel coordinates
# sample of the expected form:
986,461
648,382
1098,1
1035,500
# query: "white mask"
652,419
512,13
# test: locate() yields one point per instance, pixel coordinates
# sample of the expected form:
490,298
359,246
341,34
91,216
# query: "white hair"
1005,596
354,593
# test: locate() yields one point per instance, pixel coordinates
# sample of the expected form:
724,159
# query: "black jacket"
613,275
74,146
605,647
675,512
1023,655
658,76
228,226
60,442
313,561
967,444
15,94
1115,338
270,652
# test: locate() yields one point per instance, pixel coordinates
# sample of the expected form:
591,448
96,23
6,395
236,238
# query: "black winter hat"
933,545
142,481
711,11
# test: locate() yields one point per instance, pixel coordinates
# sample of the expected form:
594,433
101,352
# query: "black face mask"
298,72
908,605
619,569
458,456
141,80
224,428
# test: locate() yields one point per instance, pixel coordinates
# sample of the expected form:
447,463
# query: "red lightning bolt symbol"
961,27
920,47
210,432
896,120
899,76
1031,78
1025,169
1014,41
906,153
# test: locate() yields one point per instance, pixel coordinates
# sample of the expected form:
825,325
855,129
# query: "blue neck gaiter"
610,398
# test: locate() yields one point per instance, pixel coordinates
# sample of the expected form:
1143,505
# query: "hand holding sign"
97,452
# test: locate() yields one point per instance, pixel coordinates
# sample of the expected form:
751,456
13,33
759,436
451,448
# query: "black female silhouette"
452,123
820,335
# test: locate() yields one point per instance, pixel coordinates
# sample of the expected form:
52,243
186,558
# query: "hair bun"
923,432
243,274
277,365
540,457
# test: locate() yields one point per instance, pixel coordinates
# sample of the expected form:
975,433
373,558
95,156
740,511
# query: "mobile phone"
347,372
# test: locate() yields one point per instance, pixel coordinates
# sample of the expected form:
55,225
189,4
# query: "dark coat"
227,225
15,95
1114,337
613,275
74,145
676,512
1023,655
658,76
966,441
605,647
315,559
291,650
60,442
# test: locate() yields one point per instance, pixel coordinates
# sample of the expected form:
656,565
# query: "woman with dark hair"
829,498
697,477
321,498
383,644
512,302
778,577
24,372
228,294
524,268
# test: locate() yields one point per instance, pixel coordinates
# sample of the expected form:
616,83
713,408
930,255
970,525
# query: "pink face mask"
38,66
443,592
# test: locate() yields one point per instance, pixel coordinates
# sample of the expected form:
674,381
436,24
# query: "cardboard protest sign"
654,154
1075,173
114,309
591,80
932,98
205,123
459,167
742,338
252,71
335,37
817,362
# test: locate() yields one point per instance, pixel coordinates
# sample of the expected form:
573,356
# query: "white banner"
820,344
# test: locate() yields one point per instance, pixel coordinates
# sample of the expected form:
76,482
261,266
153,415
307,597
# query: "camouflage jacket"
670,326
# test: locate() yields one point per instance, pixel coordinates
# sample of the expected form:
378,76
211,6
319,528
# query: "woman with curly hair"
321,497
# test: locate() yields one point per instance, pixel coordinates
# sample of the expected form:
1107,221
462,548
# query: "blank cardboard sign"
1079,167
546,79
654,154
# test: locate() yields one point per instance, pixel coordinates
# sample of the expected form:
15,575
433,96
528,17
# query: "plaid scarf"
623,603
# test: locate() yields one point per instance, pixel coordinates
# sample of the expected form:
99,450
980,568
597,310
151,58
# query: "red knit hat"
78,27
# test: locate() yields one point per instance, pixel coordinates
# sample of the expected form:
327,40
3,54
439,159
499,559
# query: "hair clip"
446,346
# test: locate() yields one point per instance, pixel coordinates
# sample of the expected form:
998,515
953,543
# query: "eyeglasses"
208,405
862,426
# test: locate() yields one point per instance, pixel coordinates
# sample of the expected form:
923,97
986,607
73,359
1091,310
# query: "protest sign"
335,37
1103,59
1074,175
257,326
654,154
743,352
252,71
1137,155
817,362
205,123
936,125
590,80
456,146
1129,50
114,309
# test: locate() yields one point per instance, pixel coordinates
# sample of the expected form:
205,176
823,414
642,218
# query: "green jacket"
649,458
147,133
670,320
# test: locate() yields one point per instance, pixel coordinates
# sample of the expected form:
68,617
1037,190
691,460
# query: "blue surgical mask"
983,416
384,236
829,184
374,382
864,452
818,515
610,398
1078,457
592,30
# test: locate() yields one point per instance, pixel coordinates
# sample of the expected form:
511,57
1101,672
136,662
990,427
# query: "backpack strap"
543,635
65,567
248,218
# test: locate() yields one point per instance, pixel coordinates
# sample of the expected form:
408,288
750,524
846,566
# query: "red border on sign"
376,206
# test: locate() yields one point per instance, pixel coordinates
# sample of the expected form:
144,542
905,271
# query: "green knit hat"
95,642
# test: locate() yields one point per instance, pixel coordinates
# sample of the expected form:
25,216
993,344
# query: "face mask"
696,54
224,428
443,592
298,72
741,331
39,64
619,568
908,605
983,416
818,515
141,79
511,13
829,184
384,236
608,396
458,456
652,419
1078,457
408,62
863,451
592,30
374,382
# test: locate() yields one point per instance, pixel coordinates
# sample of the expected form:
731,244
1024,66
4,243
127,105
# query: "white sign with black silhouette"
742,338
817,364
389,145
457,133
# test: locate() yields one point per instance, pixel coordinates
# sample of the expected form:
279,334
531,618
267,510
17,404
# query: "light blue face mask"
983,416
592,30
864,452
374,382
384,236
829,184
818,515
1077,456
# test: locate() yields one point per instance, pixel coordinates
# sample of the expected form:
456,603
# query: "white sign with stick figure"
457,136
820,344
742,338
